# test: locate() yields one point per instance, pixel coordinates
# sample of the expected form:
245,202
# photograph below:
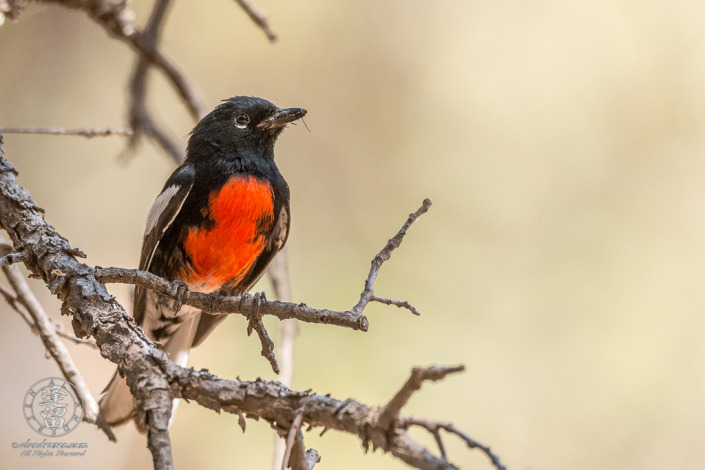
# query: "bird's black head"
242,126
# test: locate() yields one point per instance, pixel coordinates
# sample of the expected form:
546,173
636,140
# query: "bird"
218,222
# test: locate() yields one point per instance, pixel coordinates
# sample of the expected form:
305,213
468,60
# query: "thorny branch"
154,380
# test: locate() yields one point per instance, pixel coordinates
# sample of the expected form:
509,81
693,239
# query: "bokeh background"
563,260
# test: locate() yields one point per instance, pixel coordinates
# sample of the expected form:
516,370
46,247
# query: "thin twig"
140,118
302,459
293,433
278,272
389,414
189,94
88,133
368,295
12,258
85,341
13,302
258,18
396,303
434,427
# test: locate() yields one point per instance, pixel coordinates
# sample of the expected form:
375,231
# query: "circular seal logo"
53,407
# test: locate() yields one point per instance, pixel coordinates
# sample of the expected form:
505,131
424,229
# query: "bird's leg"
181,294
255,318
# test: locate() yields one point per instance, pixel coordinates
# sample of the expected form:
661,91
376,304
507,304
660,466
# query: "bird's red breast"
242,213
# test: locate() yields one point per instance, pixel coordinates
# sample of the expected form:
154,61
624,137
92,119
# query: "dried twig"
390,413
12,258
434,428
278,272
14,302
258,18
88,133
302,459
368,295
294,431
140,118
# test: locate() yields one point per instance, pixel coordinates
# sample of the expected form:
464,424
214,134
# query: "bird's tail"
117,404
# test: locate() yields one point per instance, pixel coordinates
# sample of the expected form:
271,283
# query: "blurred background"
563,260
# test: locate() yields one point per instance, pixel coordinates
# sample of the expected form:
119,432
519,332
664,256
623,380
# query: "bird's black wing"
163,212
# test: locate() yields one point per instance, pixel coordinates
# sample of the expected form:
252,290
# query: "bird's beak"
281,118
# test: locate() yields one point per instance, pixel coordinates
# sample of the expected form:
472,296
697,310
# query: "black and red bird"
217,224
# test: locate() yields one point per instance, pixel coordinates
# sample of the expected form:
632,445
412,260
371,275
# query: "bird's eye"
242,120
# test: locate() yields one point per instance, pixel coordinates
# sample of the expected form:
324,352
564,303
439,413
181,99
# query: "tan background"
563,261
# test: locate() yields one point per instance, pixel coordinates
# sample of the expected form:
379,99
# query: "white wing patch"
158,208
283,231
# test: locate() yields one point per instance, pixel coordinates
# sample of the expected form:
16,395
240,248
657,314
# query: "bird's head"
242,125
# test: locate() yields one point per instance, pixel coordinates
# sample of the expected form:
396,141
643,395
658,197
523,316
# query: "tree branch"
243,304
276,403
32,311
153,379
95,312
248,305
255,306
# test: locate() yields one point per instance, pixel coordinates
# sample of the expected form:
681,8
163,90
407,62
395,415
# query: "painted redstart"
218,222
